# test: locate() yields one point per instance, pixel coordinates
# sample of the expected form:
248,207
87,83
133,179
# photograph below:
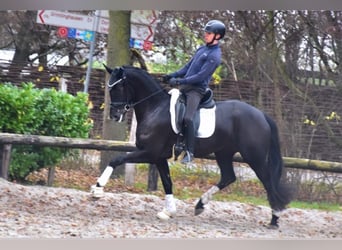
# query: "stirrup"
188,157
178,149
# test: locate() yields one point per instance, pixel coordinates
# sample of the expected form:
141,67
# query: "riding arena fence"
8,139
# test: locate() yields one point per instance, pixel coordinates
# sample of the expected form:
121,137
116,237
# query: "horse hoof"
165,215
272,226
198,211
199,208
96,192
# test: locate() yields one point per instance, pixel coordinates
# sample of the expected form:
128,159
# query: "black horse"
239,127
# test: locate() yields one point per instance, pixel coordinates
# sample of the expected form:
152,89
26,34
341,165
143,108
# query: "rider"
195,78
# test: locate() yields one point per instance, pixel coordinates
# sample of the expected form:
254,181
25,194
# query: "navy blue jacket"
199,70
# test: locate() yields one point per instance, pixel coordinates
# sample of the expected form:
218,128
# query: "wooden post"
51,173
51,176
152,184
1,153
2,167
5,159
63,87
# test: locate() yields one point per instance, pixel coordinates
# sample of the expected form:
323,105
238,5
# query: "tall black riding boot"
189,144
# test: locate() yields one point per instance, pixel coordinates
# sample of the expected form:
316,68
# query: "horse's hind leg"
262,172
265,179
225,163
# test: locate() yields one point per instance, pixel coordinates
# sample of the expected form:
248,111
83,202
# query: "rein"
147,97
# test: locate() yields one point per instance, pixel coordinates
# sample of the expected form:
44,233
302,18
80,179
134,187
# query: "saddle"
204,118
206,102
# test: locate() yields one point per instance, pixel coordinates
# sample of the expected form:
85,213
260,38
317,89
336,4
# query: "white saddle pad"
207,117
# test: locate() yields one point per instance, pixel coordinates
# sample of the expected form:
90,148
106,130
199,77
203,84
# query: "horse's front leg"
138,156
170,204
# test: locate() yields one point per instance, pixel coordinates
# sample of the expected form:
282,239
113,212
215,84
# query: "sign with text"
72,20
143,23
146,17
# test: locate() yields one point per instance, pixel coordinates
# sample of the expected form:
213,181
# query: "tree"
118,55
324,38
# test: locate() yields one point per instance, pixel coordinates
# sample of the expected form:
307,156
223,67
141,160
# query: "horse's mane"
153,81
140,70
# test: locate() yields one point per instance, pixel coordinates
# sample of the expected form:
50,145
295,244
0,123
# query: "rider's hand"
166,78
173,81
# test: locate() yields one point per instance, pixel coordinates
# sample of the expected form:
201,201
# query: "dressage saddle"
206,102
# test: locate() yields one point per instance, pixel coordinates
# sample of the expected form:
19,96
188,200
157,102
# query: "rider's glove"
166,78
173,81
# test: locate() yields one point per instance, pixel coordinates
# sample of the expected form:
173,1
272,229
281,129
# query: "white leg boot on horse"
170,208
97,190
274,221
205,198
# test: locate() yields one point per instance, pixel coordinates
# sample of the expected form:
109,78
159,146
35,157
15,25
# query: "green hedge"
28,110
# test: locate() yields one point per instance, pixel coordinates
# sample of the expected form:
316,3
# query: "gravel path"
45,212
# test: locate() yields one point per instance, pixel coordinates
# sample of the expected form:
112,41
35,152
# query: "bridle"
128,105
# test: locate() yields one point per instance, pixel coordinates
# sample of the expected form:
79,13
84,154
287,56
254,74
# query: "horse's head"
120,96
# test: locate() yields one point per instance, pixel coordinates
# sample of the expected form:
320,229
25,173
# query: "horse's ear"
109,70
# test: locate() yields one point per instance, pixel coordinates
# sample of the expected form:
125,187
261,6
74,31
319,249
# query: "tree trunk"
118,55
24,38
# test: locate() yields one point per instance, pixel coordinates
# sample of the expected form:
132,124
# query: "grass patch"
188,184
334,207
192,183
241,197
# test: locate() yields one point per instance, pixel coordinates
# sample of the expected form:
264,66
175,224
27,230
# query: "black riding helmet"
216,27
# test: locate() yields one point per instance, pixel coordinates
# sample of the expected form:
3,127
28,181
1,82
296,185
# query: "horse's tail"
280,194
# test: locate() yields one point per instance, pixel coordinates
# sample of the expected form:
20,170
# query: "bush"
28,110
17,108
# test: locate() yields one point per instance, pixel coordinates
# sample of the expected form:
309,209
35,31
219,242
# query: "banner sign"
85,35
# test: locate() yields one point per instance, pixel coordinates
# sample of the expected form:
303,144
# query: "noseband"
115,104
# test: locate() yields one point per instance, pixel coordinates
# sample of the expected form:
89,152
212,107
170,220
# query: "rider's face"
209,37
